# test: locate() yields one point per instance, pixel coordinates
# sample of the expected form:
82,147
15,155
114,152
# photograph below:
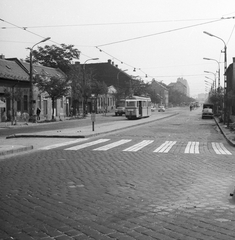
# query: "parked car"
207,110
153,109
161,109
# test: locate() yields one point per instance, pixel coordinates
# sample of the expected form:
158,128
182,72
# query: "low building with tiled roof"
12,73
15,80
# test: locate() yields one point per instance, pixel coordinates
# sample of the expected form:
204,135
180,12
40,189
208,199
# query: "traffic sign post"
93,121
93,111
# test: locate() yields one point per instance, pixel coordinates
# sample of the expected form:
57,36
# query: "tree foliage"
56,57
178,98
55,87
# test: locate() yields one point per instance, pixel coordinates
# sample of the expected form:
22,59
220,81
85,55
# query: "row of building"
15,87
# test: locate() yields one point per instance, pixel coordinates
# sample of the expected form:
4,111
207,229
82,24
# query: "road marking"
63,144
112,145
87,144
192,147
138,146
220,149
165,147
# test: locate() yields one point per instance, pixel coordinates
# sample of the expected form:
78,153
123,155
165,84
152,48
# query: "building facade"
230,103
14,92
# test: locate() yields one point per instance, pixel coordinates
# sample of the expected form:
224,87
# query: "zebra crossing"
190,147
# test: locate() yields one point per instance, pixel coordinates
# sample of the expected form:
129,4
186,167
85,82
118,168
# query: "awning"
2,104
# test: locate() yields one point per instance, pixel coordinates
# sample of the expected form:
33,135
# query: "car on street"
119,111
207,110
161,109
120,107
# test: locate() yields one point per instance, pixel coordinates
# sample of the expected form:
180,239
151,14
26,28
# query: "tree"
98,88
178,98
217,98
55,87
76,78
140,88
56,57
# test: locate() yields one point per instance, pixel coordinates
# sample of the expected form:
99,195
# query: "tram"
137,107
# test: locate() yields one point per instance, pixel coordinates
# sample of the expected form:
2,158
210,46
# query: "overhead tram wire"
115,23
25,29
159,33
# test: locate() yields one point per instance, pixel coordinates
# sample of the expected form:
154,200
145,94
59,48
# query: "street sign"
93,117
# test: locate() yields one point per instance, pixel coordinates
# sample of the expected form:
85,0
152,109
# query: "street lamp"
213,80
225,77
31,78
84,81
218,69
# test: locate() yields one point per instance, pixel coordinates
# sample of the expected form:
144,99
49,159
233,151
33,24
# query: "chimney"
2,56
116,66
109,61
234,59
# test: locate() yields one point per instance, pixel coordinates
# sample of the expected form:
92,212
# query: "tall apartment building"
185,83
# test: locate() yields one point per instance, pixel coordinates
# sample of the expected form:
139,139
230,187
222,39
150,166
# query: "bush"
232,126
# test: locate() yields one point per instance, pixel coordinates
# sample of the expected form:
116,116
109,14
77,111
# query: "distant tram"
137,107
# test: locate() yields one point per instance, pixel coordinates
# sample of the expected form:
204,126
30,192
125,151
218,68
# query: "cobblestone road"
115,194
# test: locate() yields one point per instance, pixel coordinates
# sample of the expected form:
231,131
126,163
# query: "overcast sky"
161,38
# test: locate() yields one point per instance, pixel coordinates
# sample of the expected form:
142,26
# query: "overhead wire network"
124,40
26,29
154,34
107,24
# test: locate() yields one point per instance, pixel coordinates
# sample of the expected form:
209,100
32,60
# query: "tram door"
140,108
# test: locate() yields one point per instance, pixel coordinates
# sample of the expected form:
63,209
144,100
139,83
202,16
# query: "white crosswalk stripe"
64,144
112,145
138,146
220,149
87,144
192,147
165,147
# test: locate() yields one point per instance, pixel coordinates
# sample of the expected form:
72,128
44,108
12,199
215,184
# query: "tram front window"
130,104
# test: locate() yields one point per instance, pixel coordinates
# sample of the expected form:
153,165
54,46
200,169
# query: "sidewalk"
80,132
229,135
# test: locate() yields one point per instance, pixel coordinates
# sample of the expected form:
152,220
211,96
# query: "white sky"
166,54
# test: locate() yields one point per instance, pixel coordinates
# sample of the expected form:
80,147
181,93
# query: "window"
19,105
130,103
25,103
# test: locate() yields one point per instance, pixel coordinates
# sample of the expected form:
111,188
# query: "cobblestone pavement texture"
86,194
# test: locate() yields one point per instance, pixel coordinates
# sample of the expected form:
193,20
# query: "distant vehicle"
153,109
207,110
137,107
161,109
120,109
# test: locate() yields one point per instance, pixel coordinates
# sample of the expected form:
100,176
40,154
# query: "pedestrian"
38,113
4,117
